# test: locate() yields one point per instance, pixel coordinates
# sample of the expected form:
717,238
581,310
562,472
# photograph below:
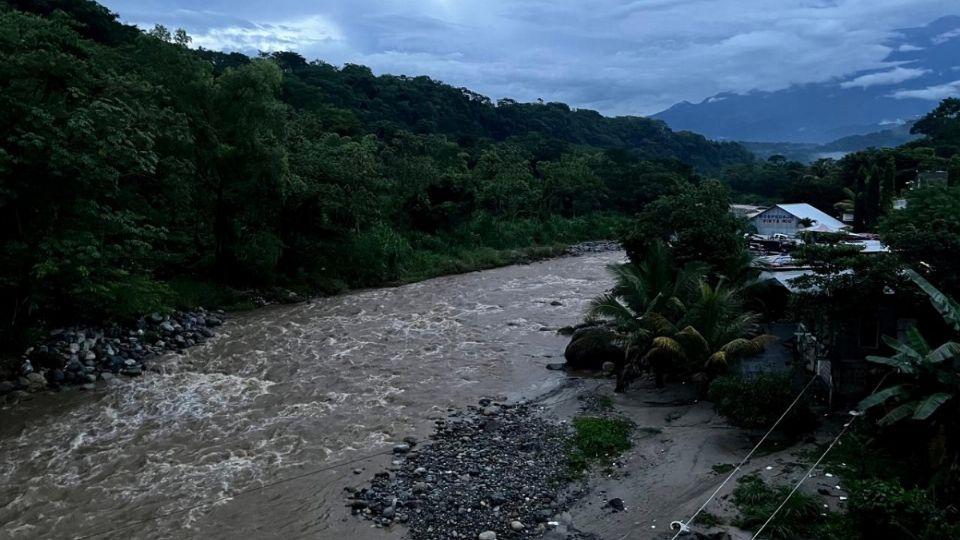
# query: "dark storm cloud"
620,57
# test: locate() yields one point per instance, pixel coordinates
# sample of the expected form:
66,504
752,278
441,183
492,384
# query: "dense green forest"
137,173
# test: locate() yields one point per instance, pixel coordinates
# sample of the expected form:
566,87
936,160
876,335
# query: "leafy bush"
756,403
756,501
884,509
258,255
377,255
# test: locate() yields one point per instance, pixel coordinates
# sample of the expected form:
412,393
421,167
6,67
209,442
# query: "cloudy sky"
616,56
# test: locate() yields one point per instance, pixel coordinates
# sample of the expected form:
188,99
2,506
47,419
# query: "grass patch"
756,501
597,440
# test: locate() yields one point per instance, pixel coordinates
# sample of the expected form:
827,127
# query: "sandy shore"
669,473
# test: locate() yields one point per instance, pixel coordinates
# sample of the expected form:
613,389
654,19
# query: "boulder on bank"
81,355
591,347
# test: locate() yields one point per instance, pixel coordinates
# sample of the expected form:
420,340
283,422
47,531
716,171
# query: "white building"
789,219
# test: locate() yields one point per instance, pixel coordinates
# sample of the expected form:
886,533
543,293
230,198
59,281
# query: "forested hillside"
138,174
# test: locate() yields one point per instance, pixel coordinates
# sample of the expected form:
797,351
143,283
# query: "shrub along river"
283,391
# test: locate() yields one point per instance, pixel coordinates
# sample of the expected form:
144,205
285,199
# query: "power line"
856,414
237,494
805,476
683,526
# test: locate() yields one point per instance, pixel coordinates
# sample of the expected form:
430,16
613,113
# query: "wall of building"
776,221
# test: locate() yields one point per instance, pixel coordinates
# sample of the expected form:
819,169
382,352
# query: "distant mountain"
809,152
925,67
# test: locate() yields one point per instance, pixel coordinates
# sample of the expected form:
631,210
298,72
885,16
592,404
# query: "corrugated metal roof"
746,210
872,246
785,277
805,211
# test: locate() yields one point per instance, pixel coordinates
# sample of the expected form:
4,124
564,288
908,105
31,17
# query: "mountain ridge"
921,69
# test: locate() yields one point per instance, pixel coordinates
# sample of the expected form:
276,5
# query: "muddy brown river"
281,392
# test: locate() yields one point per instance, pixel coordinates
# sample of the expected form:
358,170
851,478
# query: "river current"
284,391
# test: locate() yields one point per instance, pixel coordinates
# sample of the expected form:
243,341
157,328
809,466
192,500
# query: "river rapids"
284,391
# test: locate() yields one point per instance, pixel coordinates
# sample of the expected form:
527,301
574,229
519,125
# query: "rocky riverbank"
492,471
598,246
80,357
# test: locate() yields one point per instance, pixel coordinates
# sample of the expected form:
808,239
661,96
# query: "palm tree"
849,204
675,319
714,332
653,288
742,270
821,168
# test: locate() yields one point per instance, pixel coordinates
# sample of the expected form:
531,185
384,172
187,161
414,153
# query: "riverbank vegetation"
139,174
597,439
680,304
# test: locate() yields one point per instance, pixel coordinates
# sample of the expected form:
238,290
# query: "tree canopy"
132,166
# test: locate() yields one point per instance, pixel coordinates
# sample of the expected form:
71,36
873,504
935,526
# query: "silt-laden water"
284,391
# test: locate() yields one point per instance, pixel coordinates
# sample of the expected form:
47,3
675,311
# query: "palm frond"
744,347
667,344
903,350
902,364
948,351
717,361
948,307
880,397
658,323
917,342
675,305
609,307
930,405
692,340
630,285
903,411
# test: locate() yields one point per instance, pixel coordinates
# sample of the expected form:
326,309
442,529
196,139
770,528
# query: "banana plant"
931,375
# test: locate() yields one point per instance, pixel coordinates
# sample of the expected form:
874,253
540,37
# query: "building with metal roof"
789,219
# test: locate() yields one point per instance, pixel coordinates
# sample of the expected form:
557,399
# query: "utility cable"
683,526
855,414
